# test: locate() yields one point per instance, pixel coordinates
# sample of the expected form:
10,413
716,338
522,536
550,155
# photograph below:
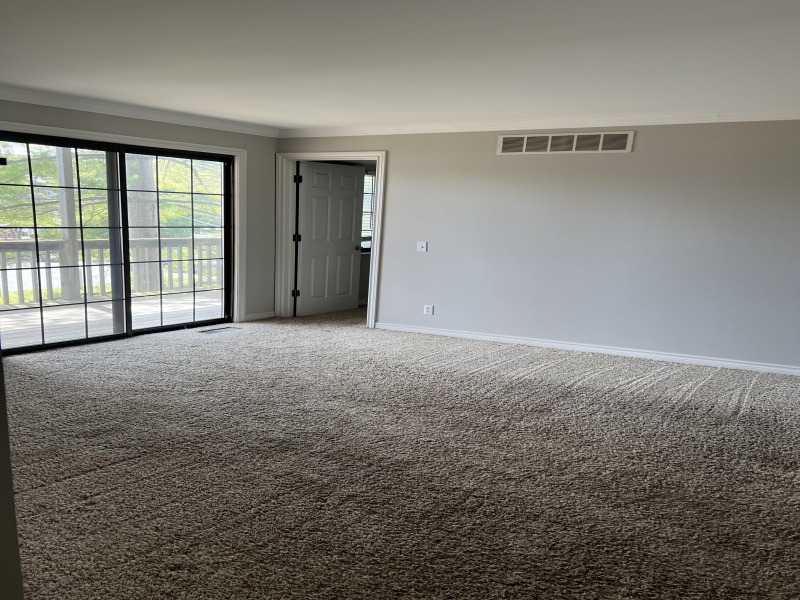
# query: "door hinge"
296,237
295,293
298,179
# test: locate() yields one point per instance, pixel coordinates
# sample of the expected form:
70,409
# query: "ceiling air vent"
566,143
512,144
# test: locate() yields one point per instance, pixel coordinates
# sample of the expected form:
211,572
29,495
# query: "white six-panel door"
329,258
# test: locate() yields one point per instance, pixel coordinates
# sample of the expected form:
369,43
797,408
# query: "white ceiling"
308,67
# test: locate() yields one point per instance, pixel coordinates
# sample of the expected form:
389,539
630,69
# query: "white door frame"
285,219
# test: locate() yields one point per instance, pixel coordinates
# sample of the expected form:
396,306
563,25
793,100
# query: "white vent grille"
566,143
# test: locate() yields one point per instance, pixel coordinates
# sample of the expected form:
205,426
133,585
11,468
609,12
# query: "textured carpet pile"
313,458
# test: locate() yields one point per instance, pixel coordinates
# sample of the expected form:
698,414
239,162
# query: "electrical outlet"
427,309
422,246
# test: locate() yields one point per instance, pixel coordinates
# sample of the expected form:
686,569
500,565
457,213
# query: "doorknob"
358,248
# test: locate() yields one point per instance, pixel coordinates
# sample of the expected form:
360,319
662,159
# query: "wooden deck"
20,328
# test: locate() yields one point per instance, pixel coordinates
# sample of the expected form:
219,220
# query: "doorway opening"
329,215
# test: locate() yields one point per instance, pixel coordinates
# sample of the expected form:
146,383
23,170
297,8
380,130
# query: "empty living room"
400,300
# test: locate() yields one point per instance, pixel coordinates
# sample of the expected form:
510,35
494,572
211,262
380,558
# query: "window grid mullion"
83,247
38,282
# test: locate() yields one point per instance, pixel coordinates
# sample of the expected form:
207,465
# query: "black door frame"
121,149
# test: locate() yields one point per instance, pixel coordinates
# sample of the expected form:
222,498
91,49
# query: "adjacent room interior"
483,302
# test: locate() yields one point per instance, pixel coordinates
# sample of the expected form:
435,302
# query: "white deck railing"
179,264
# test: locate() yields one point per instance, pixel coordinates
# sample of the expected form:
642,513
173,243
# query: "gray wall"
689,245
260,225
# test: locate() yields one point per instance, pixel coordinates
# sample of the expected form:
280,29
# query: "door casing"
285,221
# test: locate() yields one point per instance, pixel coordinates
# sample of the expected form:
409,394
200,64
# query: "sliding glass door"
175,219
60,245
104,241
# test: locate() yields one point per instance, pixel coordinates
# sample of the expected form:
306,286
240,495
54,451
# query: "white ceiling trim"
177,118
135,112
539,124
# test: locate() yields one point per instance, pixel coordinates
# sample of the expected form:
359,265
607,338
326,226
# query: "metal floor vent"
566,143
217,329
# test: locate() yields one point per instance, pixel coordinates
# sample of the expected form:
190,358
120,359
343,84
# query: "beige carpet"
313,458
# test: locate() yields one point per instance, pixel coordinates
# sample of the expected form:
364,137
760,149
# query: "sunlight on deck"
20,328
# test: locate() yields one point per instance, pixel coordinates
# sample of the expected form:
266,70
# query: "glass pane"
177,233
145,278
207,211
178,308
175,210
174,174
103,282
96,253
207,177
51,233
54,166
140,170
16,254
208,305
16,206
178,248
20,328
146,312
144,244
99,234
105,318
61,285
142,209
97,249
19,288
177,276
93,169
59,247
94,208
207,243
208,274
16,170
56,207
64,323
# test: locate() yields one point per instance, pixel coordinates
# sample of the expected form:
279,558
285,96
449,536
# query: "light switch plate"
422,246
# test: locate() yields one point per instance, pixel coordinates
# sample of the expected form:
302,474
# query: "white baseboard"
629,352
259,316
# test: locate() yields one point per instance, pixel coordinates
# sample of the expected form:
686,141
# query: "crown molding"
55,100
546,124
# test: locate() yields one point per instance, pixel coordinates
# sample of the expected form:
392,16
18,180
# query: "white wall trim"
259,316
239,190
56,100
284,224
118,109
628,352
599,121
